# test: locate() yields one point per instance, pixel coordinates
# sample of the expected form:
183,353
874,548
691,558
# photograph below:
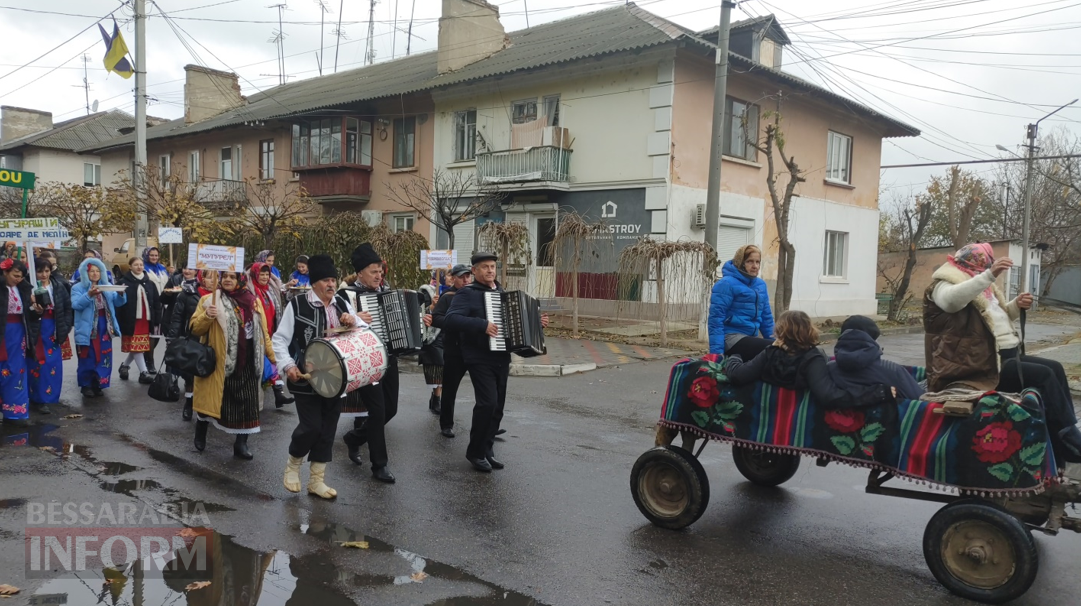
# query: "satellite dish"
94,107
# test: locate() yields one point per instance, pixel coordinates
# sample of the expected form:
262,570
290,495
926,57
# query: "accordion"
395,318
518,317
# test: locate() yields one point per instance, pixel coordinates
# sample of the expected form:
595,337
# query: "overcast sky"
968,73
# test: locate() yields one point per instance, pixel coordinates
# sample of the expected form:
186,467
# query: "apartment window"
835,257
329,140
465,135
402,222
524,111
194,170
91,174
741,118
551,110
226,166
266,159
839,158
358,141
405,134
165,169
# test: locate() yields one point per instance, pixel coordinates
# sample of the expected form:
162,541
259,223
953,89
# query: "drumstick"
306,377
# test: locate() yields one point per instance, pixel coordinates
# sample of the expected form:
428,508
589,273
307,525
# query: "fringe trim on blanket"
857,463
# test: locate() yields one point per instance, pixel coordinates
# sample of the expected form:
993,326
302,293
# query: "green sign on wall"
16,178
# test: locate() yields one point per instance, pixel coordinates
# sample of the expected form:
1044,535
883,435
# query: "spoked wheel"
764,468
980,552
669,487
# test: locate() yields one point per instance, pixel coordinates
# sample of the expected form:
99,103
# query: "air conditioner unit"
374,218
698,217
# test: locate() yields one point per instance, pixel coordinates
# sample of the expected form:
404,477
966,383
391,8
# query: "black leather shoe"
280,399
383,475
354,452
493,462
447,432
123,372
187,414
433,404
200,434
240,448
480,464
41,409
145,378
97,389
88,392
500,432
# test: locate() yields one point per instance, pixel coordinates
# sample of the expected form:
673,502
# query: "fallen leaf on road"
418,576
72,416
198,585
47,448
8,590
355,544
188,533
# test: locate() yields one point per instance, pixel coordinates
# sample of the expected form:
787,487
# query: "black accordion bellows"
518,317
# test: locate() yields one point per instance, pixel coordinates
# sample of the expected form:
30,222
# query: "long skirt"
139,341
241,399
14,391
353,406
433,375
47,367
65,349
96,360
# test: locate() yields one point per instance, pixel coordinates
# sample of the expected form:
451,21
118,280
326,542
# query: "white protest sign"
35,229
212,256
438,259
170,235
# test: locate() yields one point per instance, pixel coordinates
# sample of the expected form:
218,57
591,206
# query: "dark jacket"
451,339
738,304
63,315
803,371
168,299
467,316
31,319
181,312
858,363
125,314
959,347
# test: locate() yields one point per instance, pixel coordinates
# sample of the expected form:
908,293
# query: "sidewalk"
570,356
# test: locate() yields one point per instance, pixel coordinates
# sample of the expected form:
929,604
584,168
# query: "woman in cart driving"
971,341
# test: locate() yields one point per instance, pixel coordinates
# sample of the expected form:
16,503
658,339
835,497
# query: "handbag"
191,357
164,387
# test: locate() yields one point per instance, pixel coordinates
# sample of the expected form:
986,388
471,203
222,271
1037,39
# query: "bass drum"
344,362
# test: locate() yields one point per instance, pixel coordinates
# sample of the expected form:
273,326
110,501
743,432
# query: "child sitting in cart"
795,362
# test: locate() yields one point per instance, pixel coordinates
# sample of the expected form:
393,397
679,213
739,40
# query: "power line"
996,160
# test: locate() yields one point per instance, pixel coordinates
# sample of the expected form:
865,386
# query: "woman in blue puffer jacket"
739,307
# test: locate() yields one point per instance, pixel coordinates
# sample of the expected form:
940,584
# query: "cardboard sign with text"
170,235
40,228
213,256
438,259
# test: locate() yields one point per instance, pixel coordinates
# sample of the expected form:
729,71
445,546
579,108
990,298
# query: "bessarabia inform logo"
70,538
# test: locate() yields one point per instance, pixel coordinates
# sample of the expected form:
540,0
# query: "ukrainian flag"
116,52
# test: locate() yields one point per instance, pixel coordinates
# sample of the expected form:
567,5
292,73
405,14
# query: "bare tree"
170,200
447,199
961,209
89,212
270,209
772,145
906,228
11,200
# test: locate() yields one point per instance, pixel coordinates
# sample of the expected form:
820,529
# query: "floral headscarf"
154,268
207,273
974,259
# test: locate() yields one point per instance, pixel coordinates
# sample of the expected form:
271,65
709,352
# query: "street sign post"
20,180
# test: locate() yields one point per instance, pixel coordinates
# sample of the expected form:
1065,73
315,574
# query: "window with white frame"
839,158
741,118
266,159
523,111
402,222
835,256
91,174
165,169
551,110
358,141
405,136
465,135
226,166
195,170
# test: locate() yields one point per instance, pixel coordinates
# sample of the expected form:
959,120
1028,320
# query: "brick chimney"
209,92
19,122
469,31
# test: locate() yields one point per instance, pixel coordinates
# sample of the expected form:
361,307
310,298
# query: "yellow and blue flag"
116,52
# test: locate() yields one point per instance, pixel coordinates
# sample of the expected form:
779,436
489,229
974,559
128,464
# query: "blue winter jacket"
739,304
83,303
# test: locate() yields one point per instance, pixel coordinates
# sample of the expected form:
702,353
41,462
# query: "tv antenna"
278,37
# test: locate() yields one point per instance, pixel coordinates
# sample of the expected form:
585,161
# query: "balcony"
221,193
540,163
337,183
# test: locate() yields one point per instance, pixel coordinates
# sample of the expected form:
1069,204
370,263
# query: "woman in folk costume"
91,254
159,275
194,287
138,318
47,364
267,257
20,337
95,326
268,289
235,325
431,352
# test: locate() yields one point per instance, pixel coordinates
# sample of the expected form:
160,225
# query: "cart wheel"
764,468
980,552
669,487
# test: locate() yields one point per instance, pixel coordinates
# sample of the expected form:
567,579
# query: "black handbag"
164,387
190,357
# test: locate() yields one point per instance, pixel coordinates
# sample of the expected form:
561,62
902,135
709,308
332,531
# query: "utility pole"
713,191
86,83
139,170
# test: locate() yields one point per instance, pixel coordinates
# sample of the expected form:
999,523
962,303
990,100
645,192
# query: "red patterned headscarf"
974,259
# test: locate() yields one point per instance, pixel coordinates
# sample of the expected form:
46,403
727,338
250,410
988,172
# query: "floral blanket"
1001,449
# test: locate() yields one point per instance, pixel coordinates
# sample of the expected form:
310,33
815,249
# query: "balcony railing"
542,163
221,192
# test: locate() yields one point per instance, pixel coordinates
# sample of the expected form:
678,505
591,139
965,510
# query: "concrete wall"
1067,286
58,165
209,92
469,31
928,260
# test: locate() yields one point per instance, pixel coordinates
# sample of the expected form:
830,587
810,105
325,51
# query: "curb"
549,370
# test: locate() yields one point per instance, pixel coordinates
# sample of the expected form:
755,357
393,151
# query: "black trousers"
453,373
490,390
314,436
370,429
389,386
1049,378
748,347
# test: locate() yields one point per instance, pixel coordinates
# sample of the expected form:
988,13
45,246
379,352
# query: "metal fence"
544,163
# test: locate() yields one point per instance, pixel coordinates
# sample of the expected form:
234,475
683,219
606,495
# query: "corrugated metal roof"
604,32
77,133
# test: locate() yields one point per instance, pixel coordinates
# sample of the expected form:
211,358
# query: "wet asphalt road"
557,526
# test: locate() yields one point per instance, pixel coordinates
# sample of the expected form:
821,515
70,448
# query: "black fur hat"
321,267
363,256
